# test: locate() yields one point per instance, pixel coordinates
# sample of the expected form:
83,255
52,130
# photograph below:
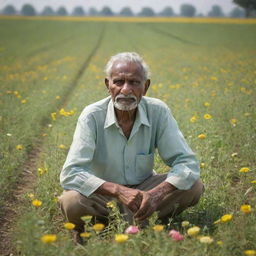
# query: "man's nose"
126,89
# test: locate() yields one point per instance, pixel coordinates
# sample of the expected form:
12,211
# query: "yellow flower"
57,97
85,234
37,203
158,228
233,121
253,181
193,231
62,146
50,238
202,165
53,116
206,104
206,239
185,223
98,227
207,116
24,101
121,238
19,147
244,169
202,136
245,208
69,225
31,196
86,218
226,218
42,170
250,252
111,204
220,243
193,119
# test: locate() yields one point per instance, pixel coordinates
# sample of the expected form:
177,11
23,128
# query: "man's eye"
135,82
118,82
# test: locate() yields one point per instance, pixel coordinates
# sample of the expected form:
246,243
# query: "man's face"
126,85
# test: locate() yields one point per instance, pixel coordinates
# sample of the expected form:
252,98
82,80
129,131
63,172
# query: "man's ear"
107,83
147,84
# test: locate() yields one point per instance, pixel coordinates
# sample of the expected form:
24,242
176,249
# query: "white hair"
127,57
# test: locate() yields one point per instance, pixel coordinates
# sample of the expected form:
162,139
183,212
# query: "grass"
197,69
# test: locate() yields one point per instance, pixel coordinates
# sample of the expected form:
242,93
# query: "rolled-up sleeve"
76,173
176,153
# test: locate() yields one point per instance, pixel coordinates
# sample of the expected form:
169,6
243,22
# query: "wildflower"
86,218
158,228
62,146
206,239
69,225
206,104
233,121
121,238
111,204
207,116
202,136
19,147
53,116
193,231
202,165
245,208
244,169
31,196
132,230
42,170
57,97
85,234
50,125
193,119
98,227
234,154
226,218
23,101
176,235
250,252
8,134
37,203
220,243
185,223
49,238
253,181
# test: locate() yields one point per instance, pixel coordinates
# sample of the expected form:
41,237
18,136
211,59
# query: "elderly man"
113,148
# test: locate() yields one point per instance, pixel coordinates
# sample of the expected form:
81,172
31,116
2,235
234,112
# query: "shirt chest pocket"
144,166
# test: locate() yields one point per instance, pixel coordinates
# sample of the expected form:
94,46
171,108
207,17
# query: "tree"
237,13
48,11
28,10
216,11
147,12
248,5
78,11
9,10
126,11
62,11
106,11
93,12
167,12
187,10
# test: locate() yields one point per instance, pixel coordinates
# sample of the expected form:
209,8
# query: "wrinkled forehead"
127,69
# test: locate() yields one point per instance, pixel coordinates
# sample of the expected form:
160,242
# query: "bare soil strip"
26,181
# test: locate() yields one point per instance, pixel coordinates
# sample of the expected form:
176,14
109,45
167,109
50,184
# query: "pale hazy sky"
202,6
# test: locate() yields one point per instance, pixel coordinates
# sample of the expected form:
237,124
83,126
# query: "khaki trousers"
74,205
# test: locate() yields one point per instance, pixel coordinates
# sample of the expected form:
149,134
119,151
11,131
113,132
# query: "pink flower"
176,235
132,230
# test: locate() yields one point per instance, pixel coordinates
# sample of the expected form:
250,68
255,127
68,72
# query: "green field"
197,69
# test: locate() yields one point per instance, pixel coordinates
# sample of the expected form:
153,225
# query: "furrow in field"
25,181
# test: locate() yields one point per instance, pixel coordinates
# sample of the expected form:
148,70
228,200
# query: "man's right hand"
130,197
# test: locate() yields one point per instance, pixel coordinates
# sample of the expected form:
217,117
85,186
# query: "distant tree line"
186,10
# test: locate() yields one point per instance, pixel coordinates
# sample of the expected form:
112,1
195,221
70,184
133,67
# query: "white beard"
125,107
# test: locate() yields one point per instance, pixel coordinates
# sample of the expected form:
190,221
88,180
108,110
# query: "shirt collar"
141,116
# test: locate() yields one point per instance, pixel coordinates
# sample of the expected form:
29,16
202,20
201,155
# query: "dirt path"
13,205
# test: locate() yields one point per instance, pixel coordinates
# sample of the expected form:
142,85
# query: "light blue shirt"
100,151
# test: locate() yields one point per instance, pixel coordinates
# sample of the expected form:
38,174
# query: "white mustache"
121,96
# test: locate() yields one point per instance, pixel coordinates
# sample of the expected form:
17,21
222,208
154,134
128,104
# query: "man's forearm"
161,190
108,189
